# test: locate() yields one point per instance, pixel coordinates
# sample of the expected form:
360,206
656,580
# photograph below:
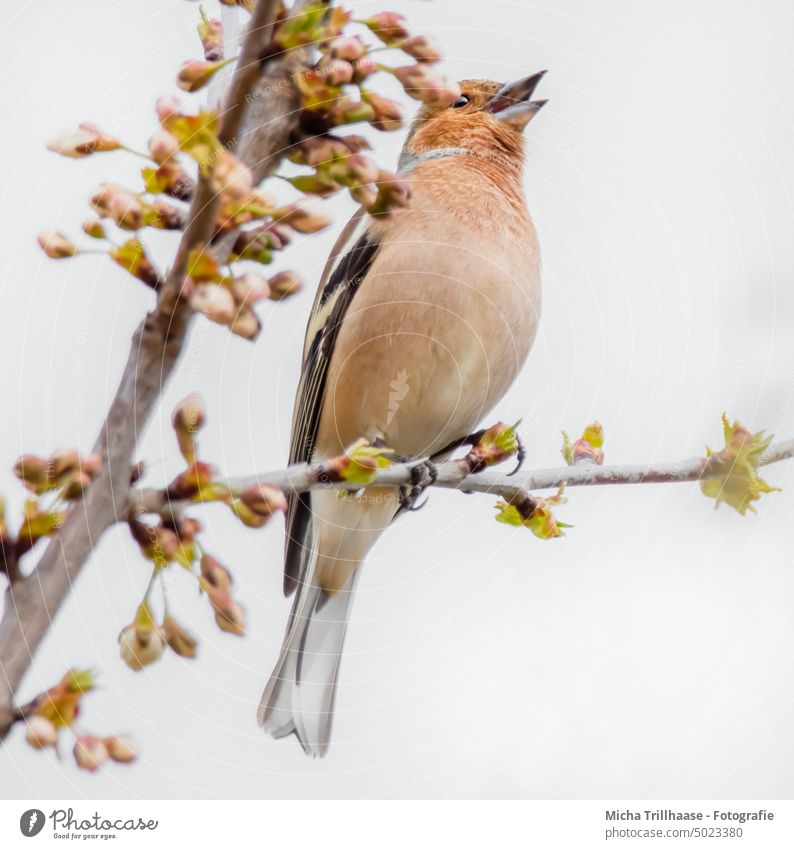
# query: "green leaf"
303,28
144,619
594,434
80,680
365,460
197,136
734,479
202,266
185,555
535,514
131,256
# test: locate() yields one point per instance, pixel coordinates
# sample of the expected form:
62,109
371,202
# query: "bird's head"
487,116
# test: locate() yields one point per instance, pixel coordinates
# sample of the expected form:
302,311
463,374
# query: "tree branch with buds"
729,475
300,79
456,474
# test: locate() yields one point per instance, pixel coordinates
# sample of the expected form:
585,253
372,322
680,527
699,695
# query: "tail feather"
299,697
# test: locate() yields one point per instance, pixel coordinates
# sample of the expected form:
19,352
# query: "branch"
457,474
31,603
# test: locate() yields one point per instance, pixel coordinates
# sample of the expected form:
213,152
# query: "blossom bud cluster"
57,709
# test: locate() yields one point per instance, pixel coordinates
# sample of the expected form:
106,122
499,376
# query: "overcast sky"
647,653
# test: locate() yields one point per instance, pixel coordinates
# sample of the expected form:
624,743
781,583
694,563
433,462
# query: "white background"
648,653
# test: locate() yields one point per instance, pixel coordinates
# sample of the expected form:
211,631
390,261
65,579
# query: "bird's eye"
463,100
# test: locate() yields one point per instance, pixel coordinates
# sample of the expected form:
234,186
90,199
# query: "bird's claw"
521,454
423,475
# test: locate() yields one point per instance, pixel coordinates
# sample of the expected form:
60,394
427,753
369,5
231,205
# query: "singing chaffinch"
421,322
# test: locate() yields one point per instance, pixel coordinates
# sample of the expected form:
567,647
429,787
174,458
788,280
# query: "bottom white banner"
378,824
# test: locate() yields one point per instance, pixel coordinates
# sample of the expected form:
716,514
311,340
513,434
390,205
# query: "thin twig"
455,474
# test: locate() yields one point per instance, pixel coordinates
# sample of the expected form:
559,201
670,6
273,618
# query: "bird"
421,322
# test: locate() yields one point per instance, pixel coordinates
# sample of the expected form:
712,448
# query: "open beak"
512,102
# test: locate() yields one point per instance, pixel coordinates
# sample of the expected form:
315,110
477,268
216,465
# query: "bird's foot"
521,452
423,475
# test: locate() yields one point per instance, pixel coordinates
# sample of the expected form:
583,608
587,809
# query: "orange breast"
443,322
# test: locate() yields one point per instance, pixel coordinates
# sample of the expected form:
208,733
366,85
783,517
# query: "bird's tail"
299,697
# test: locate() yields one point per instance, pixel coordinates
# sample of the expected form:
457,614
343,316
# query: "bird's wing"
348,265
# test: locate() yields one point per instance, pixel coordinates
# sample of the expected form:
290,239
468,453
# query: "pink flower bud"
162,146
167,107
258,243
132,258
361,169
90,753
283,285
365,195
393,190
74,485
165,544
423,83
34,472
215,573
63,461
423,48
196,73
390,27
264,500
316,150
229,615
126,210
246,324
348,48
336,71
164,216
313,84
215,302
72,473
102,199
231,177
355,143
140,648
347,111
315,184
363,68
178,639
250,288
304,216
121,749
388,115
210,32
40,732
169,178
188,528
56,245
189,414
83,141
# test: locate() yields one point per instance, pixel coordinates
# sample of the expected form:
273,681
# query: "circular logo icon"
31,822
